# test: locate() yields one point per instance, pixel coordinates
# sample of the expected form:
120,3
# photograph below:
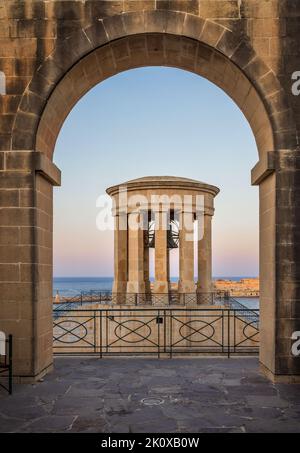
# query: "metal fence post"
228,335
10,378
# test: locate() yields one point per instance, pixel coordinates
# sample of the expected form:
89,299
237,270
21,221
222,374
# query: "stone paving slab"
142,395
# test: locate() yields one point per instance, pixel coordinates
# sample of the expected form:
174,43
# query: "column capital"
208,211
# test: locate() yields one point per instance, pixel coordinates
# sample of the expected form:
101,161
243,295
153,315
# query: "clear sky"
154,121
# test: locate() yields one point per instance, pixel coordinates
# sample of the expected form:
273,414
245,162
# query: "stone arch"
137,39
100,50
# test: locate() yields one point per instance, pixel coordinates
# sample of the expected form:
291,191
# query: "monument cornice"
163,182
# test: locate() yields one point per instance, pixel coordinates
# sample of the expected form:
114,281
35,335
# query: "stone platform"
150,395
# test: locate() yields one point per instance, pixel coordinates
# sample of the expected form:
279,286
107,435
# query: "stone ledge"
21,162
263,168
47,169
280,160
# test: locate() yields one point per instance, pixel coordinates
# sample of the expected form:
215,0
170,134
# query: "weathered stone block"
9,272
9,198
211,33
190,6
19,160
114,27
192,26
96,33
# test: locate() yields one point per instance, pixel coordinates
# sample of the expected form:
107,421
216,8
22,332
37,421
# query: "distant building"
246,287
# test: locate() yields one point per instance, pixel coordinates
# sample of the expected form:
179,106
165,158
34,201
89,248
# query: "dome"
167,182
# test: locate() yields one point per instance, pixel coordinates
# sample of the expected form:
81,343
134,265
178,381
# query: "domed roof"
168,182
176,179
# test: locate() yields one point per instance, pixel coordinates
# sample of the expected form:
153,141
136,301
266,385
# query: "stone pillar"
120,257
279,186
136,255
186,284
204,285
161,283
26,259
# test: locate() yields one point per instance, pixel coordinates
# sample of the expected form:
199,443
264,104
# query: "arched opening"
161,113
156,50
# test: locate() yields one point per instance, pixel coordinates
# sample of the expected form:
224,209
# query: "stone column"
26,309
136,256
186,284
279,186
204,285
120,257
161,283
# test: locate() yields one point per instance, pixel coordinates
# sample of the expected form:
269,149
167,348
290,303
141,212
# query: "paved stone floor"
150,395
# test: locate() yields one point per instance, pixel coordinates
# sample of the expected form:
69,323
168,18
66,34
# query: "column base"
205,297
204,288
135,287
279,378
119,293
135,293
147,287
186,287
119,287
161,287
161,293
187,292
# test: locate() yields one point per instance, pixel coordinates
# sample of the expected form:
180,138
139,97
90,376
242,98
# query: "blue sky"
154,121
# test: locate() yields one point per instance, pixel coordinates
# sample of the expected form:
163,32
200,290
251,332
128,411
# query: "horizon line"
111,276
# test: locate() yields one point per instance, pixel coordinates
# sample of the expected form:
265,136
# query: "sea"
71,286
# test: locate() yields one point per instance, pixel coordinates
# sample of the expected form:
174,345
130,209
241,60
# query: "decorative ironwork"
161,331
194,331
251,336
171,298
252,316
134,331
69,327
70,331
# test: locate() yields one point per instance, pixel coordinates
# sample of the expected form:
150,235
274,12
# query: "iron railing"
6,371
160,332
249,314
152,299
